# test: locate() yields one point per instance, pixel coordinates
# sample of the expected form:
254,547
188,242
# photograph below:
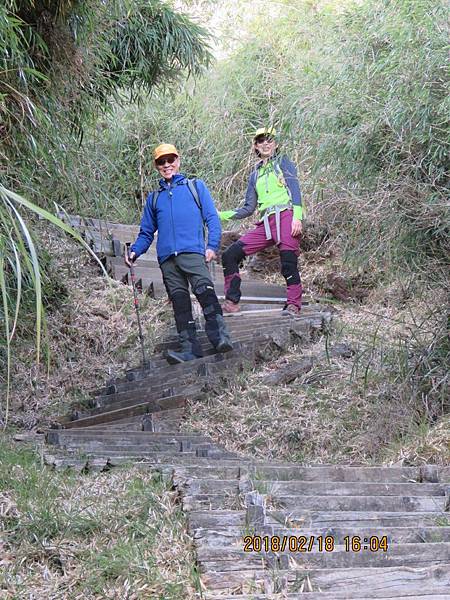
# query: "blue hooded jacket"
178,220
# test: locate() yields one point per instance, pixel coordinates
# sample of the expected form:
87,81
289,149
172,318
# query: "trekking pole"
136,305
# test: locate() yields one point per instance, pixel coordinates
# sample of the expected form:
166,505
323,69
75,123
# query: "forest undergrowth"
372,406
66,535
358,92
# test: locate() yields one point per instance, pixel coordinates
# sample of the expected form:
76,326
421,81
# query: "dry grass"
355,410
111,535
429,445
92,337
120,534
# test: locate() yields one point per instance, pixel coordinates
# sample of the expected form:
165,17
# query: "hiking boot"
291,310
217,333
190,348
230,307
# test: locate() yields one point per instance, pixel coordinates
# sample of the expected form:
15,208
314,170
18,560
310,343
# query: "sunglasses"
160,162
263,138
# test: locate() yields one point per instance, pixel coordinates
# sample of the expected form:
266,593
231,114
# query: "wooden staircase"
261,529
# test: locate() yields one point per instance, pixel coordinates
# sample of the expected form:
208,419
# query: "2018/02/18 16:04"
303,543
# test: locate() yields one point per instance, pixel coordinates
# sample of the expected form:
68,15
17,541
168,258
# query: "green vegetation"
92,534
61,65
357,90
360,98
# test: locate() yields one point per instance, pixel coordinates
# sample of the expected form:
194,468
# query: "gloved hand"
225,215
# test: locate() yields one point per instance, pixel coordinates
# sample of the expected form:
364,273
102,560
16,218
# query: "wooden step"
234,536
139,375
143,262
104,448
141,408
142,395
244,334
249,288
193,368
157,390
374,581
165,420
155,460
310,519
293,472
55,436
327,503
277,489
407,593
223,559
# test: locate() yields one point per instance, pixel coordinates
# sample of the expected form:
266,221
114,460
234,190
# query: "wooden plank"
285,472
245,330
132,411
103,448
134,436
289,472
113,262
309,519
165,420
142,394
92,222
413,555
249,288
286,326
174,372
407,593
233,536
331,503
276,489
152,459
374,580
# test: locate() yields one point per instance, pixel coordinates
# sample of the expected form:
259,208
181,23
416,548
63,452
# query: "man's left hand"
296,227
210,255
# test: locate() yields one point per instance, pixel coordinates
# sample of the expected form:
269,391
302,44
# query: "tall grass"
360,95
62,64
20,270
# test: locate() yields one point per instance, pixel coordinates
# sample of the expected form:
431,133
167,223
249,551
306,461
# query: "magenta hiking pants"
255,241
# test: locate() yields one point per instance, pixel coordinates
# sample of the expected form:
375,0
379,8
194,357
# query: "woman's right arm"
247,209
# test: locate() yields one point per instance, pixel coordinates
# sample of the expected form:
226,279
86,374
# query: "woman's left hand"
296,227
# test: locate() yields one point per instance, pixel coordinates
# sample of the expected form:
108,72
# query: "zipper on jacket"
171,216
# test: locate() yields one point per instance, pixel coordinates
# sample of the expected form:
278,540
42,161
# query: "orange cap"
164,150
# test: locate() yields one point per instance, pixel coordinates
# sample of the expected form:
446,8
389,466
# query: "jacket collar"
275,160
176,180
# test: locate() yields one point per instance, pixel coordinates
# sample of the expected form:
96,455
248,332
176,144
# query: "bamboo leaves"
19,260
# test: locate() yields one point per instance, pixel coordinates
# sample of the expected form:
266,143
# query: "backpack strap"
279,173
192,185
155,199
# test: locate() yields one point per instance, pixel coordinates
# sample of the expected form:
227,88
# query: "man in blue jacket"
179,211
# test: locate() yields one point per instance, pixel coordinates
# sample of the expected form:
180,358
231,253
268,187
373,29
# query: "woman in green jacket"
274,190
